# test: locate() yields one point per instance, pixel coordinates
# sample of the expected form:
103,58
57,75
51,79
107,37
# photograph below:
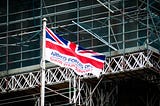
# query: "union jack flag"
70,55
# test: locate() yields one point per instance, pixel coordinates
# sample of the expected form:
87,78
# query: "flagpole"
43,63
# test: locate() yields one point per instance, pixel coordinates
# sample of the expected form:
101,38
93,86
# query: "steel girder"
115,64
32,79
128,62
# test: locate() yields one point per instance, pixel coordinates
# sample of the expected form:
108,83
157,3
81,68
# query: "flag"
70,55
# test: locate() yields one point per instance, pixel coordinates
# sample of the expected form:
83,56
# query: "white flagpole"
43,63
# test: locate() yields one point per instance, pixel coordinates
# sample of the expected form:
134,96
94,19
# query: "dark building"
126,31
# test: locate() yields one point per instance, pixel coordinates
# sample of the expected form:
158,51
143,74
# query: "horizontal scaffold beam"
116,64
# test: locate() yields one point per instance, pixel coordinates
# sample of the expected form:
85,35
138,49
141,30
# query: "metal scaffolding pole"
96,36
74,87
7,41
105,6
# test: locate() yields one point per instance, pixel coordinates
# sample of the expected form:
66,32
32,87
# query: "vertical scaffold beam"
70,90
79,90
74,93
7,41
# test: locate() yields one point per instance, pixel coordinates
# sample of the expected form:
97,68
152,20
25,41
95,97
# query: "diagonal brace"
95,35
105,6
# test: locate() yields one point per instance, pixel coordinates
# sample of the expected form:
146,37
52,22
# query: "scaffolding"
126,31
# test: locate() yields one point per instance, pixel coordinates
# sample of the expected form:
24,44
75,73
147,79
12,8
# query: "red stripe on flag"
52,35
69,52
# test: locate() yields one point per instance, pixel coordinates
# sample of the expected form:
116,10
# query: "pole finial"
44,19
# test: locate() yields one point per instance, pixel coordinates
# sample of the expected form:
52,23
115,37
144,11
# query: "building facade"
126,31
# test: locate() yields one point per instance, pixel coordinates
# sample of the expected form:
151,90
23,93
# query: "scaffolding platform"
62,83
